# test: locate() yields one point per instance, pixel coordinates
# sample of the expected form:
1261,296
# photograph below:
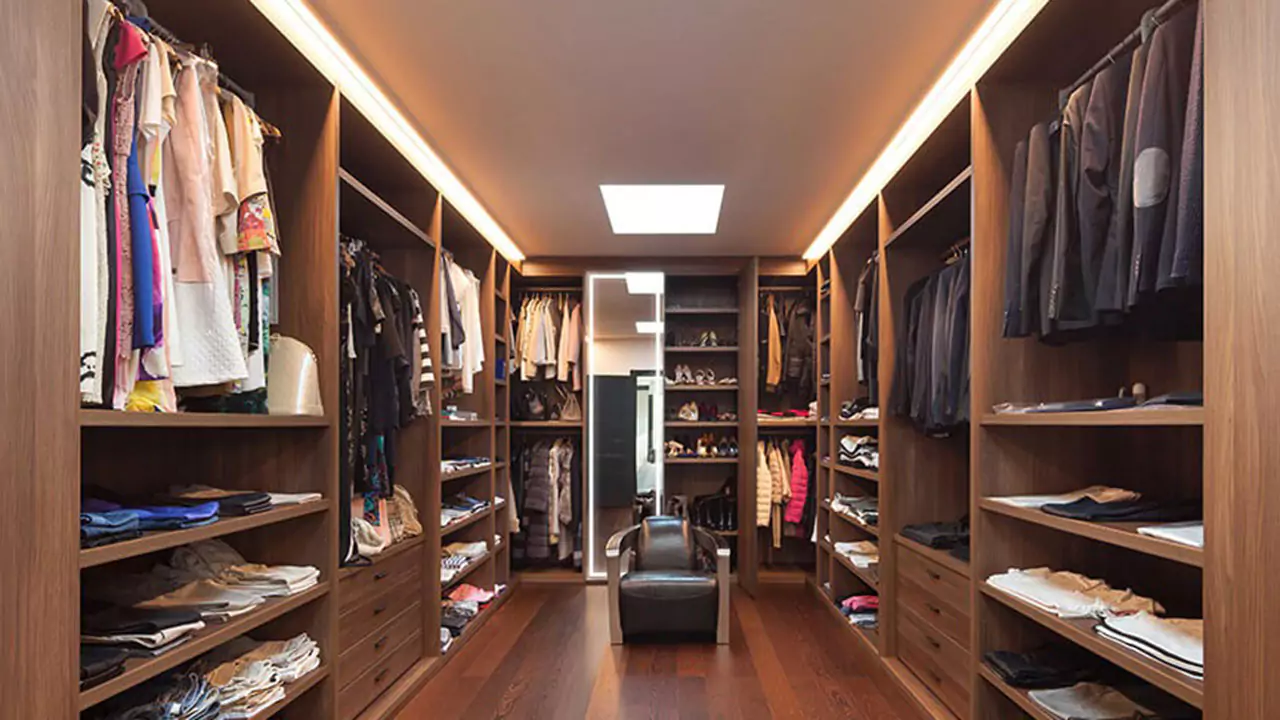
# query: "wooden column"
1242,397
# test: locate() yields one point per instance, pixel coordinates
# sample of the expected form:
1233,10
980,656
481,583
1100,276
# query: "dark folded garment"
940,536
176,523
1043,668
134,621
99,664
245,504
1112,403
960,552
1128,510
1191,399
109,539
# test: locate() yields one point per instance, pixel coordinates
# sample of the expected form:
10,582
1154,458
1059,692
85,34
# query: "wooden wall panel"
39,369
1242,396
748,435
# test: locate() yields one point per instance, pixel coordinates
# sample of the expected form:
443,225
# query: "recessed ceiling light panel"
663,209
650,327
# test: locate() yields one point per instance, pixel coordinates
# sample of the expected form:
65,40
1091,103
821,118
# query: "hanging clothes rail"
1131,41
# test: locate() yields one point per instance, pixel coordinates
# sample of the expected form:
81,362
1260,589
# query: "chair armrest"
616,552
720,547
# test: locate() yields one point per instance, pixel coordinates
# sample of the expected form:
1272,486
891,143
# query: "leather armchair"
663,589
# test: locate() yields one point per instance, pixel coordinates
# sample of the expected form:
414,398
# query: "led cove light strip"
1005,22
309,35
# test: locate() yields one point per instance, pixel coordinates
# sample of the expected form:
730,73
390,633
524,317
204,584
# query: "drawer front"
378,644
934,612
366,582
941,664
943,583
363,619
366,688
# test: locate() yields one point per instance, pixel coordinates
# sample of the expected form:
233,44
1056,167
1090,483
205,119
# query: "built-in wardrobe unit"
950,204
334,179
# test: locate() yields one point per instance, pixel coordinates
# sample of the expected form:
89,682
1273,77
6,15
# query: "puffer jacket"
777,476
764,486
799,483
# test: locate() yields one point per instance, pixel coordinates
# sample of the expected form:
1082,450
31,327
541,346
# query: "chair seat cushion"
667,585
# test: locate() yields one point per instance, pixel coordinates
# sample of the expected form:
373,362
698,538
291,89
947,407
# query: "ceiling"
536,104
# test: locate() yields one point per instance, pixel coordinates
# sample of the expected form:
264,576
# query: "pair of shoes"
688,412
682,375
727,381
704,376
675,449
708,339
727,416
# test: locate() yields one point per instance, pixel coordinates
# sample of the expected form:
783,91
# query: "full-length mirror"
624,362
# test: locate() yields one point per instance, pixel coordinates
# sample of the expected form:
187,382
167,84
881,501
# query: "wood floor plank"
546,654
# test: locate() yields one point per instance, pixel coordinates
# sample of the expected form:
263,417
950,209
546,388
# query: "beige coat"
764,487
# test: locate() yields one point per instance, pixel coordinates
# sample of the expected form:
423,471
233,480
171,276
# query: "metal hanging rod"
1149,22
536,289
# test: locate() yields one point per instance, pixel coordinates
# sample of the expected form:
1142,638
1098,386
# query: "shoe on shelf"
722,448
727,381
699,377
712,339
687,375
710,377
733,447
688,412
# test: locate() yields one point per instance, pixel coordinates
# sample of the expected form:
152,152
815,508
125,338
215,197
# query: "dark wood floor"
546,655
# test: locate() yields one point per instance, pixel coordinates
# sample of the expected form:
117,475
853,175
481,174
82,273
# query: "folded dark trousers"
136,621
1039,669
938,535
99,664
1127,510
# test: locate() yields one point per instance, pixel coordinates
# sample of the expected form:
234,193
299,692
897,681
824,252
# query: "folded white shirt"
1088,701
1070,595
294,498
1177,642
1190,534
1099,493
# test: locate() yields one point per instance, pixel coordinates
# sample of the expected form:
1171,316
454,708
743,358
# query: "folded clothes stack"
231,503
105,521
1101,503
1096,701
100,663
108,526
861,610
864,508
863,554
1070,595
466,591
283,499
1176,642
939,535
860,451
1190,534
460,506
455,465
452,412
215,560
140,632
460,607
455,557
1042,668
174,696
250,676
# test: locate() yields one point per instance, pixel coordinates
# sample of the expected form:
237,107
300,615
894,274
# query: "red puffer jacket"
799,483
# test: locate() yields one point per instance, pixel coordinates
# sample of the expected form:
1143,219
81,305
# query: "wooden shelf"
701,311
465,522
386,555
702,388
852,471
139,670
1104,418
875,424
869,529
941,557
865,575
717,349
782,423
1081,633
363,213
1120,534
298,688
944,218
163,540
471,567
465,423
1017,695
701,461
119,418
470,472
702,424
722,533
546,424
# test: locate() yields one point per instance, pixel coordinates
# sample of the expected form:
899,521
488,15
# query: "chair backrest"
665,543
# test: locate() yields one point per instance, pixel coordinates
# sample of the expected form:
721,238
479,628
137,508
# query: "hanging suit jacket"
1037,224
1113,278
1159,150
1068,310
1187,267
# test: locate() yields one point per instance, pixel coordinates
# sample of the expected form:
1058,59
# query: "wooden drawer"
939,662
941,582
378,644
363,619
934,612
366,582
366,688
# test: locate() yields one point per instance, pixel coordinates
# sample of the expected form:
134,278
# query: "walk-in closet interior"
351,384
